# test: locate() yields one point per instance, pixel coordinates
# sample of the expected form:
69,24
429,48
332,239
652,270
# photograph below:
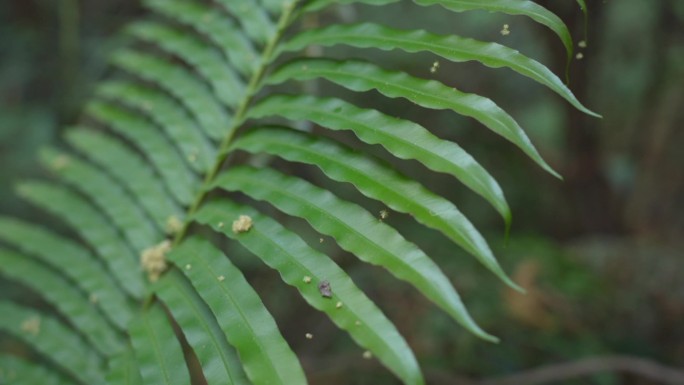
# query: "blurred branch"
576,369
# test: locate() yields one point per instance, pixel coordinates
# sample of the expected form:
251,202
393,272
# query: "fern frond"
14,368
167,145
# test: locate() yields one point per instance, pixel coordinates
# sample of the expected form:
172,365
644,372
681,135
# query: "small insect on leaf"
325,289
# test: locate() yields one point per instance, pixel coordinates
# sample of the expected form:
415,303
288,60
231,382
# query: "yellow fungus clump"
173,225
242,224
153,260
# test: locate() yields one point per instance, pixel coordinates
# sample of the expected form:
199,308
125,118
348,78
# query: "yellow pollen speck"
221,278
242,224
307,279
153,260
338,305
31,326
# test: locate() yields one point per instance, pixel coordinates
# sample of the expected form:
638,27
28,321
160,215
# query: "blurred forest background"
601,252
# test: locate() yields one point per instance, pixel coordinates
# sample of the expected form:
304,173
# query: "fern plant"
205,91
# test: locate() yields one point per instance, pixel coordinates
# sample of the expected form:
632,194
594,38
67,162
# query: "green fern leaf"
304,268
266,357
192,103
158,353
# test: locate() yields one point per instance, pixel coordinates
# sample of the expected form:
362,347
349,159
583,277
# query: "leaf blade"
219,361
450,47
376,181
403,138
248,326
53,340
284,251
158,351
355,231
363,76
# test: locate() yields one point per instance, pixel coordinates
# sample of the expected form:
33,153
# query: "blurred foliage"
600,253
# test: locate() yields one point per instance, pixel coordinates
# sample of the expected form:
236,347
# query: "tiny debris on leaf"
308,336
242,224
188,267
338,305
325,289
307,279
383,214
505,31
221,278
367,355
31,326
435,67
221,225
582,44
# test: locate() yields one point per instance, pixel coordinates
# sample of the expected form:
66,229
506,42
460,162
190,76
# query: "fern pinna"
168,145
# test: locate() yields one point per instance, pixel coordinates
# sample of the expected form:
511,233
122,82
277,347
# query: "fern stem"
253,88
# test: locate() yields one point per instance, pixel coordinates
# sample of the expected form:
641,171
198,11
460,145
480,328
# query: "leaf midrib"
253,87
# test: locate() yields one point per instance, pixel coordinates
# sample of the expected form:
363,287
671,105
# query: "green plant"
145,190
